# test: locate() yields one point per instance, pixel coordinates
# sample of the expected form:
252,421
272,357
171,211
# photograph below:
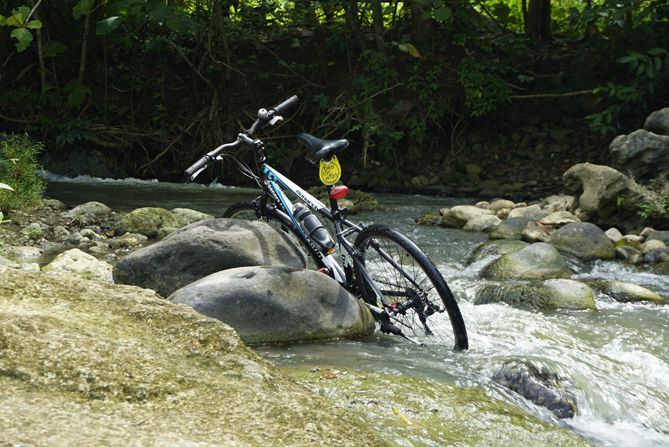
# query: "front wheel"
417,297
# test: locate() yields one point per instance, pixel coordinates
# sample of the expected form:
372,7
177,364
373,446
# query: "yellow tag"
329,171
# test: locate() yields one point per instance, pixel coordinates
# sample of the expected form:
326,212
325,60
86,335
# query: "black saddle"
321,149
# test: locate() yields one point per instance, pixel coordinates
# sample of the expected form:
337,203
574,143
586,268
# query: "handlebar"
264,117
285,105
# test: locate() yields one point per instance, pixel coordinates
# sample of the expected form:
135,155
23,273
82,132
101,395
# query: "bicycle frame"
276,185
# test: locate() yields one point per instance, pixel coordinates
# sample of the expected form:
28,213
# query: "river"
617,358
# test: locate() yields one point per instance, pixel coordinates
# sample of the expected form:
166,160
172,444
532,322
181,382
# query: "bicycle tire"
248,210
413,274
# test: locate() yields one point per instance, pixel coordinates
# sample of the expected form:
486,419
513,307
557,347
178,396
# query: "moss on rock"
89,363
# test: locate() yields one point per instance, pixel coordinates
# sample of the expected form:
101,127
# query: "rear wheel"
420,302
251,211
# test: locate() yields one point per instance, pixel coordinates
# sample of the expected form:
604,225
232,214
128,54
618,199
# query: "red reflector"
339,192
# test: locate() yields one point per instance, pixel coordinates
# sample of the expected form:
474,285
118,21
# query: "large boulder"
203,248
599,189
536,261
547,295
642,155
153,222
658,122
278,304
89,363
539,385
584,240
82,264
484,223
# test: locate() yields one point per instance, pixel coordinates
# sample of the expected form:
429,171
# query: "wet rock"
60,233
547,295
642,154
495,248
101,364
658,122
484,224
661,268
501,204
128,240
536,261
533,211
628,292
614,235
34,231
88,212
540,386
652,245
559,219
583,240
203,248
54,204
659,236
153,222
459,215
278,304
629,254
536,232
191,215
557,203
23,252
511,228
81,264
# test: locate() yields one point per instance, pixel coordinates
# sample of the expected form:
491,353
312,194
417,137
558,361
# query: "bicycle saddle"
321,149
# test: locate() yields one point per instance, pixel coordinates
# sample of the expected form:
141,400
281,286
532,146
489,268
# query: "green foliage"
648,70
654,209
484,90
20,21
18,167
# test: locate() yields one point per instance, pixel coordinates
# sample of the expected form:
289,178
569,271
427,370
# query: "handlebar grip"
286,105
201,163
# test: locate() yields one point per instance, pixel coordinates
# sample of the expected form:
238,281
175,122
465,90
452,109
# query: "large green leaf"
3,20
23,38
82,8
76,93
34,24
107,26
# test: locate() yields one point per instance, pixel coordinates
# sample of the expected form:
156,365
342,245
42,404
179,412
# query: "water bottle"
313,228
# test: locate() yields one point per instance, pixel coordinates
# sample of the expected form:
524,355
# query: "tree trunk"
421,28
352,16
377,20
84,49
538,19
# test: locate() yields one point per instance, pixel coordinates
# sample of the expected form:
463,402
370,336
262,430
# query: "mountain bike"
397,281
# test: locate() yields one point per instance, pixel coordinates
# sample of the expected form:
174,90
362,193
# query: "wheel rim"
426,320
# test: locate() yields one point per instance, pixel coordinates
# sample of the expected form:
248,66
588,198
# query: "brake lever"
275,120
196,173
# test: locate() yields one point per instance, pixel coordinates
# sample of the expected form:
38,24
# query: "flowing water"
617,358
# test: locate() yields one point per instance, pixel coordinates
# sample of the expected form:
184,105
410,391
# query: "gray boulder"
598,189
203,248
536,261
642,155
583,240
278,304
511,228
484,223
658,122
547,295
533,211
557,203
660,236
540,386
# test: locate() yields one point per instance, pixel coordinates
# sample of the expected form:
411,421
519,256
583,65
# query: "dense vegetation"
130,87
